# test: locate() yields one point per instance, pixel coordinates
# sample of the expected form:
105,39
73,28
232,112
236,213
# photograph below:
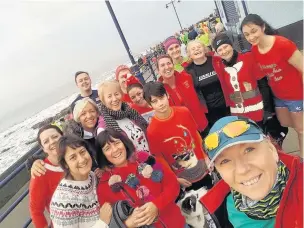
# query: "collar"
87,135
88,95
51,167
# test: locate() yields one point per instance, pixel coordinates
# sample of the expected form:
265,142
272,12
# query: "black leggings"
214,114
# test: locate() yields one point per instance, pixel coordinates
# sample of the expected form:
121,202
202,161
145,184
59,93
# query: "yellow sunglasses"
231,130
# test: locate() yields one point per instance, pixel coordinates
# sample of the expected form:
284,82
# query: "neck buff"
232,60
110,116
266,208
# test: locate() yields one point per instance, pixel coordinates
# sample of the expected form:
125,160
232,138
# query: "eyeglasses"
231,130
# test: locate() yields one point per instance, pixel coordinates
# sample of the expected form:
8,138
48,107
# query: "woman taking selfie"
260,186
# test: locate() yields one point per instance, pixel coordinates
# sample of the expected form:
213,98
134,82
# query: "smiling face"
83,82
79,162
137,96
225,51
115,152
165,68
112,97
174,51
196,50
253,33
49,139
249,168
88,117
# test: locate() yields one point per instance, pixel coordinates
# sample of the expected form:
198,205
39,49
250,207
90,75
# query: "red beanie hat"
120,68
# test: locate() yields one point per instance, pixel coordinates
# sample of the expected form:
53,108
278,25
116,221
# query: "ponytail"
269,30
257,20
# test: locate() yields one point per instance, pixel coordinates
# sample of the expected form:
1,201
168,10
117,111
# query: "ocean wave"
19,139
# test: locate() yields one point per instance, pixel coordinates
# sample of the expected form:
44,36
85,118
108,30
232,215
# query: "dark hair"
156,89
162,57
257,20
107,136
80,72
135,85
73,142
46,127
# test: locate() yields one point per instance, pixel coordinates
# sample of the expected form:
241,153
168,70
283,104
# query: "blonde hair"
80,105
105,84
195,42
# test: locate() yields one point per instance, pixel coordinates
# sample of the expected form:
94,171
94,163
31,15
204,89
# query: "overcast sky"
43,43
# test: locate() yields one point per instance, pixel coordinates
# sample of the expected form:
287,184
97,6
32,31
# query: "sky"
43,43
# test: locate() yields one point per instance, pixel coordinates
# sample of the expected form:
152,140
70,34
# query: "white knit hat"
80,105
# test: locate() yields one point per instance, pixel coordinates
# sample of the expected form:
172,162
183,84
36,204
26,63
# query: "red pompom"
142,156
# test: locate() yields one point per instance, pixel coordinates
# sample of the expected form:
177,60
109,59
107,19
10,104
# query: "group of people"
214,121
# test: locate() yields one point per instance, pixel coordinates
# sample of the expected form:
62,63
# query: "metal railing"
5,181
148,72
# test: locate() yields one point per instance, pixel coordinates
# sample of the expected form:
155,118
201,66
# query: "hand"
147,215
183,182
105,213
98,172
130,222
38,168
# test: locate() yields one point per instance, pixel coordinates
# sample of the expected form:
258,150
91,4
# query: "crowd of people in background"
199,147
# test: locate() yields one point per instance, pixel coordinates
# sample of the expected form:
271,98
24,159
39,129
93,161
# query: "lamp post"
120,32
167,6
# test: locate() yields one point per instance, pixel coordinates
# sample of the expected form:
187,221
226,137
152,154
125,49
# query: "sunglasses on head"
231,130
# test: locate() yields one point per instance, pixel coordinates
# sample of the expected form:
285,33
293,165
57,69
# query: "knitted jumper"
75,204
177,141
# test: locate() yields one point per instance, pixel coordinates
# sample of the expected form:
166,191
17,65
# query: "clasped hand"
144,215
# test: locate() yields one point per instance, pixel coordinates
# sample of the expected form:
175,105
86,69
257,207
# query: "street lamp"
135,68
120,32
167,6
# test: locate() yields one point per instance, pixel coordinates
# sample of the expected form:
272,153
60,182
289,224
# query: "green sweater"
241,220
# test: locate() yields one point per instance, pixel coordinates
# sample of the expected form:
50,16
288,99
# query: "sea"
20,138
